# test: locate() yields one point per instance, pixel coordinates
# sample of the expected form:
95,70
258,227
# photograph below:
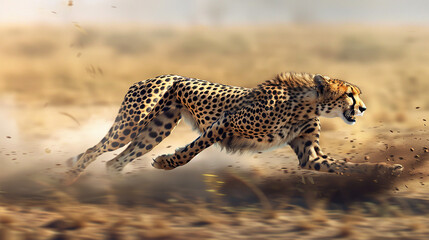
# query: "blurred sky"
215,12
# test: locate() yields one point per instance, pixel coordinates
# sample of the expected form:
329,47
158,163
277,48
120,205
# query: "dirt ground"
60,90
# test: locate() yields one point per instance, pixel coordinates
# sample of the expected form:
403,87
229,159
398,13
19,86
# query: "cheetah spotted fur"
283,110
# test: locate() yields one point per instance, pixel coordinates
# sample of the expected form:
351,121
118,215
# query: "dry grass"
65,66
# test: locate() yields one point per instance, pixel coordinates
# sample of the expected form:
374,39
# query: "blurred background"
66,65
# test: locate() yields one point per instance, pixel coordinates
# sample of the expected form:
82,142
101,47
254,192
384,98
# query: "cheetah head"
338,98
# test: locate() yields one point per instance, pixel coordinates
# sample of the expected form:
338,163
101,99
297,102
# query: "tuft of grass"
268,211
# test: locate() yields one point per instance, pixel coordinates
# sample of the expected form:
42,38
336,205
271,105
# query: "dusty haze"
65,69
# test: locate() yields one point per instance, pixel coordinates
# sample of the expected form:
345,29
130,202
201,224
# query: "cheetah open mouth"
349,116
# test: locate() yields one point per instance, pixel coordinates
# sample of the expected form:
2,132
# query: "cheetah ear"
320,82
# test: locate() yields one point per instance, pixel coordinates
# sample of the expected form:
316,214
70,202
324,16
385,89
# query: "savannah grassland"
60,88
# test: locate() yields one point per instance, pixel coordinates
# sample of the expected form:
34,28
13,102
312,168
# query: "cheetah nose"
362,109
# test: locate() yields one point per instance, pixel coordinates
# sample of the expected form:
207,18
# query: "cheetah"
282,111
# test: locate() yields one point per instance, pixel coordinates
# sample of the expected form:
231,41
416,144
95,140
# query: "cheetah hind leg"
114,139
125,129
156,131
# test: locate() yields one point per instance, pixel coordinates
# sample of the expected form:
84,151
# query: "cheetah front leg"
215,133
310,155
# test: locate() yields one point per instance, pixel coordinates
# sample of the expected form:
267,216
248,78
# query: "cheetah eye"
350,95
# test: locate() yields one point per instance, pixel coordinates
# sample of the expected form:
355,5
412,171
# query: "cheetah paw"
396,169
163,162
